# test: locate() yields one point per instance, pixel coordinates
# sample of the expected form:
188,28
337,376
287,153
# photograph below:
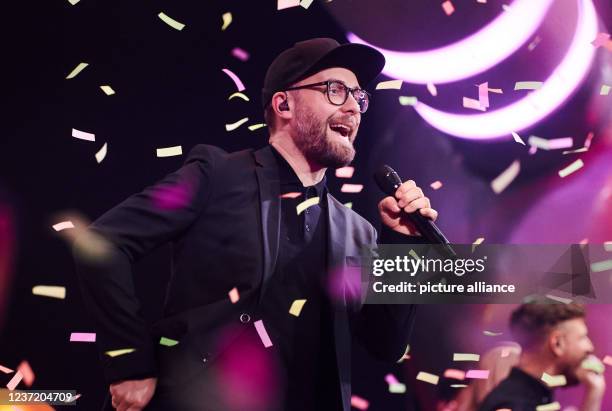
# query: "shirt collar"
288,177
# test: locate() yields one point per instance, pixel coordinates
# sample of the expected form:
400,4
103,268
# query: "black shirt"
305,345
518,392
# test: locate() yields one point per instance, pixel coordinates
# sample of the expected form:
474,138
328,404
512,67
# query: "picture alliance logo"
412,266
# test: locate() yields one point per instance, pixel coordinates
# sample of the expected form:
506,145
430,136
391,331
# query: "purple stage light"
472,55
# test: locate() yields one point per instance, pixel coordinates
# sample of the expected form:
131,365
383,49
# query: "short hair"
531,323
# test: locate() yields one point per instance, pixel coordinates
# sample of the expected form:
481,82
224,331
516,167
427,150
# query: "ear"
556,343
281,105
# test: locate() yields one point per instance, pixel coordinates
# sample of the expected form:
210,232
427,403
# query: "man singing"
236,228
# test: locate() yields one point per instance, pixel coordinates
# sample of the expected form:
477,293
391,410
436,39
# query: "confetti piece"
101,154
307,203
83,135
171,22
431,87
477,374
254,127
285,4
263,334
459,386
359,403
407,350
605,90
482,1
589,137
63,225
553,406
554,380
14,381
408,100
465,357
527,85
496,90
83,337
233,295
76,70
600,266
234,126
436,185
552,144
477,242
414,255
593,364
398,388
293,194
8,370
227,20
296,307
345,172
503,180
73,2
52,291
349,205
608,246
559,299
351,188
473,104
448,8
584,241
517,138
27,372
575,166
389,85
532,150
600,40
240,54
306,3
240,95
455,374
235,79
483,94
534,43
167,342
117,353
491,333
170,151
390,378
608,360
427,377
108,90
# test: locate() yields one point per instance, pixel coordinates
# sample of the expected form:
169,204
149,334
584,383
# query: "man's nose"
351,105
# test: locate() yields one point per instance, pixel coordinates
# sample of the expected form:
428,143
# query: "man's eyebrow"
341,81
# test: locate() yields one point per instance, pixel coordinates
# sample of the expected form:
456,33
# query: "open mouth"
341,129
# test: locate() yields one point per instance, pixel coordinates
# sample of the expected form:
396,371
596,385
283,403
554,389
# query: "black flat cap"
311,56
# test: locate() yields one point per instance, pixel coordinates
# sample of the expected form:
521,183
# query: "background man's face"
315,121
577,346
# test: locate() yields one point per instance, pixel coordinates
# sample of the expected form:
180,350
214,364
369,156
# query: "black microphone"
388,181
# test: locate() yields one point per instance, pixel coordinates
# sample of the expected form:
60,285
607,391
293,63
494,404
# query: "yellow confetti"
349,205
52,291
234,126
254,127
306,3
408,100
170,151
227,20
171,22
117,353
465,357
427,377
593,363
476,242
101,154
517,138
527,85
76,70
553,406
296,307
605,90
108,90
305,204
502,181
575,166
554,380
239,94
389,85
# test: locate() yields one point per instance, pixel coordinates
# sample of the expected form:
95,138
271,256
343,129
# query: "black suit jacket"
208,261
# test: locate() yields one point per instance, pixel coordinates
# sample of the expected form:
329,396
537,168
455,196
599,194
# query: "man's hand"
132,395
595,386
410,198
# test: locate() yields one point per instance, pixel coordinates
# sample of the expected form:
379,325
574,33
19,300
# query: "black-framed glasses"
337,93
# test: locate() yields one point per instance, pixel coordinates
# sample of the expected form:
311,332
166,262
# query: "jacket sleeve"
384,329
105,252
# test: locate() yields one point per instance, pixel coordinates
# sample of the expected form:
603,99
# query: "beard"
313,139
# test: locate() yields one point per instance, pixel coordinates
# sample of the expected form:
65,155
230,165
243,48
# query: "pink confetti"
263,334
453,373
448,8
14,381
432,89
601,39
5,370
359,403
235,78
240,54
608,360
28,375
483,94
293,194
584,241
471,103
436,185
83,337
477,374
532,150
391,380
351,188
345,172
587,142
233,295
285,4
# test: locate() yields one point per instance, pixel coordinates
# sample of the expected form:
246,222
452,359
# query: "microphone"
388,181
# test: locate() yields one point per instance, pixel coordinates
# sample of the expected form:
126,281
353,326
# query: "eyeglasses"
338,92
